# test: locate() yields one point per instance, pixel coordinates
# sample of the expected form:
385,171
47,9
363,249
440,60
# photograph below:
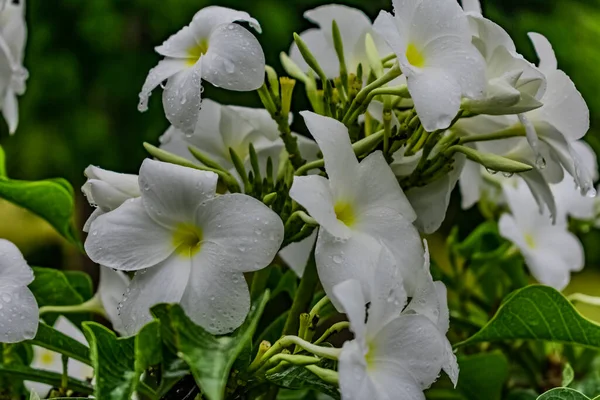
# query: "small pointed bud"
292,68
270,198
287,89
338,44
373,56
491,161
309,57
273,81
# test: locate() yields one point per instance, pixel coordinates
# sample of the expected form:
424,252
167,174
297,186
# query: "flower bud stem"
332,330
93,305
514,131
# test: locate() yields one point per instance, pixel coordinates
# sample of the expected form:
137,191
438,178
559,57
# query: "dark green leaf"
287,284
482,376
47,377
210,358
81,282
52,288
51,199
563,394
54,340
522,394
272,332
297,377
540,313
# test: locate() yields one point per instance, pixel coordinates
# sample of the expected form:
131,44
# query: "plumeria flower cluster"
404,109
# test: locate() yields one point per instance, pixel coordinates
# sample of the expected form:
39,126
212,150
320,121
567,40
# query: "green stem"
317,307
514,131
259,282
304,295
325,374
47,377
332,330
93,305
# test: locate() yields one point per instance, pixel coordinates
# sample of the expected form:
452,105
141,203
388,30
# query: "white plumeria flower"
18,308
359,204
392,355
221,127
107,190
112,287
212,48
551,252
514,85
296,255
188,245
13,35
52,361
353,25
432,41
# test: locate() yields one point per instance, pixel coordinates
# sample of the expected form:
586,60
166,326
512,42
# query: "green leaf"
81,282
51,199
568,375
119,362
210,358
540,313
51,339
52,288
50,378
563,394
482,376
297,377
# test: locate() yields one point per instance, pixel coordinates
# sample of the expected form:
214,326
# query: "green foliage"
51,199
210,358
51,378
298,377
119,362
563,394
482,376
539,313
54,340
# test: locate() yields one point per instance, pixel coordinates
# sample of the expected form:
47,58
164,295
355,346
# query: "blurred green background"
87,61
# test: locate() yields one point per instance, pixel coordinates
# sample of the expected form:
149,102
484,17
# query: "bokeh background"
87,61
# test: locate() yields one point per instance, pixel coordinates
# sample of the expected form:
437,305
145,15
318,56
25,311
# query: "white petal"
545,53
234,59
88,224
400,236
355,382
111,288
163,283
174,141
215,298
436,94
409,345
10,111
247,233
172,193
181,44
432,200
472,6
321,49
308,148
13,267
211,17
433,19
350,297
19,313
459,59
340,162
314,193
182,96
396,383
103,195
379,188
126,183
14,28
260,120
470,182
128,239
164,70
296,254
394,31
540,189
339,260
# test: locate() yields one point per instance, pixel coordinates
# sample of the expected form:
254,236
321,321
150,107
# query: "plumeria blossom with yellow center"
360,204
514,85
551,252
188,245
396,352
212,48
107,190
353,25
13,35
432,41
51,361
18,307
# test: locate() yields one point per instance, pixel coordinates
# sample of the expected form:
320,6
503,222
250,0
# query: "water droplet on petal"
540,162
491,171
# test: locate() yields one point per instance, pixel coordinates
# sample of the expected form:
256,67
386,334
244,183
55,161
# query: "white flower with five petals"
187,245
211,48
13,34
432,41
18,307
397,352
360,204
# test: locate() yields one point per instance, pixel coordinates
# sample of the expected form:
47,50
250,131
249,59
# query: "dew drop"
491,171
508,174
7,298
540,162
337,259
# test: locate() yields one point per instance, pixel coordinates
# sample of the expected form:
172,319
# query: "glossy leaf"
482,376
563,394
119,362
297,377
210,358
47,377
57,341
540,313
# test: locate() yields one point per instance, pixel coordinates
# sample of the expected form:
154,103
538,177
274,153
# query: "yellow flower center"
47,358
345,213
195,52
187,240
414,56
529,240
